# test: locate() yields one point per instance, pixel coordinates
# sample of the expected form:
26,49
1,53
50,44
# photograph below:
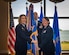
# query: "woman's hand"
41,26
32,27
34,41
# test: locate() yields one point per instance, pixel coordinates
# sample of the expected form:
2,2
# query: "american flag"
11,36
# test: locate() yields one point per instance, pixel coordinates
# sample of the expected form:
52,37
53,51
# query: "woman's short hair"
19,19
46,18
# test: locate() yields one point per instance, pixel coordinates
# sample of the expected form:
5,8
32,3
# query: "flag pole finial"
41,3
26,4
10,5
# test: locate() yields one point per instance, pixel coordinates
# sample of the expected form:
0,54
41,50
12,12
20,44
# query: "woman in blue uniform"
47,45
22,36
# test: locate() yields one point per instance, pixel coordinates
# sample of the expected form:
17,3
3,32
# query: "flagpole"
44,7
41,12
30,50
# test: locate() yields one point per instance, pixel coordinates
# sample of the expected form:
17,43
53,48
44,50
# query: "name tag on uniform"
44,31
23,28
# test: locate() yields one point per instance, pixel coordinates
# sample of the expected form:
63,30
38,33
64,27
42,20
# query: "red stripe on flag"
13,30
12,51
11,40
11,44
12,34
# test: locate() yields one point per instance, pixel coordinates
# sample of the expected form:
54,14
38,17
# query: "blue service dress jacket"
22,37
47,45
